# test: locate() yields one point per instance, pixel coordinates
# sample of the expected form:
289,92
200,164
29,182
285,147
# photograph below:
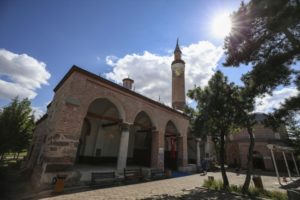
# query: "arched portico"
171,146
141,140
100,134
117,104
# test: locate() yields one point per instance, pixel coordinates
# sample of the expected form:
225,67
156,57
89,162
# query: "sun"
221,25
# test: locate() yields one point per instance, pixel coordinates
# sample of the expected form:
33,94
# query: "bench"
104,178
133,174
157,174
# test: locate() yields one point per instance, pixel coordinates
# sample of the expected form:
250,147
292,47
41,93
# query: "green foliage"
265,34
215,105
217,112
223,108
16,126
235,189
213,184
290,119
252,192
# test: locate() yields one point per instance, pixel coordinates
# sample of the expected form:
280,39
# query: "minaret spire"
177,53
178,82
177,48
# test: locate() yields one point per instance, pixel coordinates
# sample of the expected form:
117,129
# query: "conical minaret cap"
177,48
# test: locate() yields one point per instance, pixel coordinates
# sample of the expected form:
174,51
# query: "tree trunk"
222,162
249,161
18,155
3,156
217,151
295,43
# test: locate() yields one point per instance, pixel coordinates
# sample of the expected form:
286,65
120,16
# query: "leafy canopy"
215,105
16,126
265,34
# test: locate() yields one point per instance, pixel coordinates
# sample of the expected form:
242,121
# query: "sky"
41,40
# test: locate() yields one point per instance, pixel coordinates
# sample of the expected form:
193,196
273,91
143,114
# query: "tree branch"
295,43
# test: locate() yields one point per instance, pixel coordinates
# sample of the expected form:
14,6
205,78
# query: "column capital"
125,126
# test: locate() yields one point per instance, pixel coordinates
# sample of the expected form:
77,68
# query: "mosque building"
93,123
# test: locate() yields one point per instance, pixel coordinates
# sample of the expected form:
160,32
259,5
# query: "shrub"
235,188
252,192
212,184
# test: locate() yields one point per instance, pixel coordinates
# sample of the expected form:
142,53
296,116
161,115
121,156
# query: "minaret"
178,86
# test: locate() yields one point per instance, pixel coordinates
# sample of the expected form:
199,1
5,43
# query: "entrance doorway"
258,161
171,146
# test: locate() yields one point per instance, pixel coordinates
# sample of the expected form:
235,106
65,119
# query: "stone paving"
187,187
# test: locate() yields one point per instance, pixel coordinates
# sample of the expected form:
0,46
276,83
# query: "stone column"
157,150
287,165
208,146
123,150
182,151
198,140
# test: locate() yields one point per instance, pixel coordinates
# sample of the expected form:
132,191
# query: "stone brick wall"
38,141
238,144
69,108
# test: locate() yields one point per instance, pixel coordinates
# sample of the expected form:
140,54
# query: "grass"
253,192
11,155
11,180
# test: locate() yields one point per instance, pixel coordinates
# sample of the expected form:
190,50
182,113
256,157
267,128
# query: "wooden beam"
171,133
143,126
110,124
102,117
144,130
174,135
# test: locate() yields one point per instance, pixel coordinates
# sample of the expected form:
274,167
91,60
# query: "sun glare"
221,25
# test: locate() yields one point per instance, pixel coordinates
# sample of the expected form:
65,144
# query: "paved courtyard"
188,187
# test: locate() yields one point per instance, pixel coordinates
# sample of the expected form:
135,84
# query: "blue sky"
101,35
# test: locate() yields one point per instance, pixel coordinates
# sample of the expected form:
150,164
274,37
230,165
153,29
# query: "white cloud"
268,102
38,112
110,60
152,73
20,75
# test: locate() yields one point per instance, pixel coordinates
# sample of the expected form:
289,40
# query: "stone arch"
171,139
102,143
116,102
176,125
140,143
147,113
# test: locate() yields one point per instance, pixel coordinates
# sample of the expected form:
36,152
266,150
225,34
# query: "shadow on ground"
292,185
199,193
254,172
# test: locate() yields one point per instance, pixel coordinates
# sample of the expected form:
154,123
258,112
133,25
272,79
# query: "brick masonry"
56,138
238,144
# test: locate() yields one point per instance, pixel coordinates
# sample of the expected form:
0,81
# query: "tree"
245,119
217,111
16,126
265,34
293,129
